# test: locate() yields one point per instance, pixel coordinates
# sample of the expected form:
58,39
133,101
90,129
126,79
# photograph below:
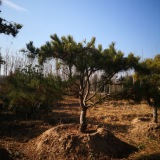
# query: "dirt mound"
144,127
66,142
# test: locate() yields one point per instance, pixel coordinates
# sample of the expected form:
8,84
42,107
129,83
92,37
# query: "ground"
126,130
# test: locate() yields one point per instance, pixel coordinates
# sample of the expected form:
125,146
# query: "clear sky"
134,25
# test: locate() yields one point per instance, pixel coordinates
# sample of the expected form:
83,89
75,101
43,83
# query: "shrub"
27,91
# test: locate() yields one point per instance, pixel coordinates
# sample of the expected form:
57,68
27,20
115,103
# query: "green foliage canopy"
9,28
83,60
150,79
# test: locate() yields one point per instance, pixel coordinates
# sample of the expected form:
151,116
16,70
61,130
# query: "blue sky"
134,25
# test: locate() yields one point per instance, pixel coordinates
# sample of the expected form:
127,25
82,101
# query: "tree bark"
155,114
83,122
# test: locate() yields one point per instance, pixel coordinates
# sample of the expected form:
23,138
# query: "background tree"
9,28
82,61
149,76
131,88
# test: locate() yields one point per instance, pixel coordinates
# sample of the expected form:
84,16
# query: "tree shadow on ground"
4,154
65,105
117,127
23,130
155,156
65,113
62,119
110,126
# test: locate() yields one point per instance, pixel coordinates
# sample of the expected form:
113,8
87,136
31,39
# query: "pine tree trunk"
83,122
155,114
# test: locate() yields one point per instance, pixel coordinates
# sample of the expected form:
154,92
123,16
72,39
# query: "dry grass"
120,120
123,120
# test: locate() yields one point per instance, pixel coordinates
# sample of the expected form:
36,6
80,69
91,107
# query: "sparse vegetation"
26,92
133,126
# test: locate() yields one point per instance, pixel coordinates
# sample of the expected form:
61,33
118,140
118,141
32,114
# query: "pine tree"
9,28
82,61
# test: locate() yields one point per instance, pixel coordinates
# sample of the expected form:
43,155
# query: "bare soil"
119,131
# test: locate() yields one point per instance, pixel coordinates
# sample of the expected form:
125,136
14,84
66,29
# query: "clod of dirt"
66,142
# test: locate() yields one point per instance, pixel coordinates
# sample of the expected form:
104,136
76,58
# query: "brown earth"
65,142
115,132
